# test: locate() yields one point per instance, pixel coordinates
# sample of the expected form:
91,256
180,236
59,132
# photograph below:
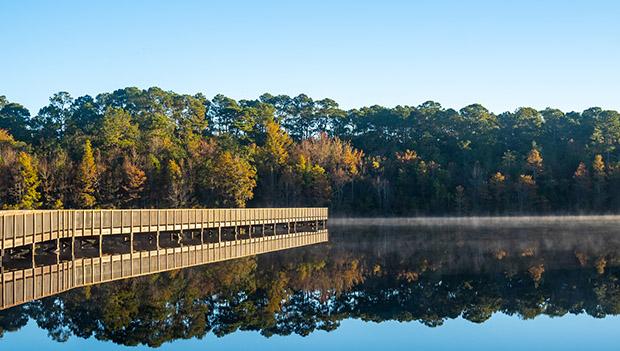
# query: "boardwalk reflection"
52,268
419,274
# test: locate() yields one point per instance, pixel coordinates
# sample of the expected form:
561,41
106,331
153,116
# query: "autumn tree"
133,181
272,159
313,181
177,192
534,162
338,158
86,178
229,180
26,187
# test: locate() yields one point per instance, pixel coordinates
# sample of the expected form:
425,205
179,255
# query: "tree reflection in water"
374,274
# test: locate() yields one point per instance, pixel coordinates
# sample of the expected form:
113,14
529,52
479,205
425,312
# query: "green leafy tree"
15,119
50,123
118,130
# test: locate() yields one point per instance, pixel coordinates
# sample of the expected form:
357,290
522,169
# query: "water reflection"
414,273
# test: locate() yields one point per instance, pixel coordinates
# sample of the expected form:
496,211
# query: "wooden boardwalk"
47,252
19,228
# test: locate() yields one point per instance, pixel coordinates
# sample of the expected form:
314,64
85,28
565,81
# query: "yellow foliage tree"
87,178
230,180
535,162
27,184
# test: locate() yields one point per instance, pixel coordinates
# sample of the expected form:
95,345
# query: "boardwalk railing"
19,228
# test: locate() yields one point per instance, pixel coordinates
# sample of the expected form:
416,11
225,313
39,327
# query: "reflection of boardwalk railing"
33,283
18,228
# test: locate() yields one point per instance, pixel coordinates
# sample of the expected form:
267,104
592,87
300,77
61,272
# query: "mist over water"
483,221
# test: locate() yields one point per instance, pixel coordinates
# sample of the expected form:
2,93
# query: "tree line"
156,148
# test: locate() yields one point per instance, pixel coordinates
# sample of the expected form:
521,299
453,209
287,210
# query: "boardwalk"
48,252
19,228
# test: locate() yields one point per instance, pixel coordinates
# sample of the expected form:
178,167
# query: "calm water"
483,287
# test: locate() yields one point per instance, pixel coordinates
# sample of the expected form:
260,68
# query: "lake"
464,284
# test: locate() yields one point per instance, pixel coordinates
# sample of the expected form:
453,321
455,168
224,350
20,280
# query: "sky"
502,54
500,332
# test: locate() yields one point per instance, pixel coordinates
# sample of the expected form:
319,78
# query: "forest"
136,148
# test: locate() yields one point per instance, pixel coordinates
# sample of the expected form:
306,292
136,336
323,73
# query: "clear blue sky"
501,332
503,54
